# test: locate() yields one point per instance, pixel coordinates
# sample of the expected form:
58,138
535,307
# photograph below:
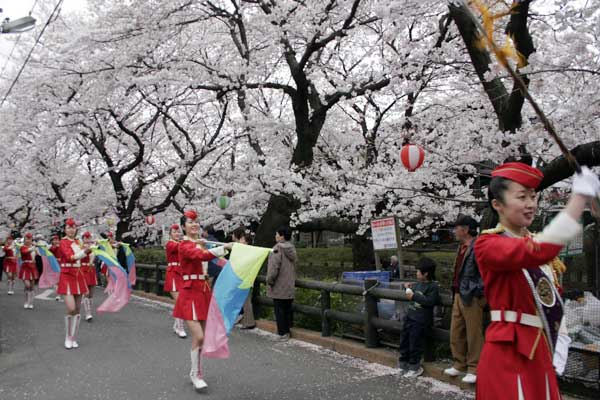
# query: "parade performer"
526,309
115,245
28,273
54,246
10,263
173,280
72,284
89,271
194,297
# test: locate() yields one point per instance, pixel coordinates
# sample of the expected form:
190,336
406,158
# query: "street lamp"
18,25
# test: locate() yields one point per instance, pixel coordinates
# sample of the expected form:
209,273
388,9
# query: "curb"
348,347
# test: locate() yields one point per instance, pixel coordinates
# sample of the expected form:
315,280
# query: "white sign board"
384,233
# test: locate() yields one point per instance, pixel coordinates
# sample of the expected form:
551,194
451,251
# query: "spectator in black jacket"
423,296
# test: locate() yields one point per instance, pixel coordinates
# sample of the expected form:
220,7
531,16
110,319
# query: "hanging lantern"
223,201
150,219
412,157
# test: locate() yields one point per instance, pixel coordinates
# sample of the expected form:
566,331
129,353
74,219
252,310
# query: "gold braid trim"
558,268
497,230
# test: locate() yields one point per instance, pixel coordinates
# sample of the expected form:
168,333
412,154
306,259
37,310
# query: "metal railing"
370,322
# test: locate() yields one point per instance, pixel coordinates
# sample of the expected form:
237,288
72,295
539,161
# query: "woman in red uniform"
10,263
71,283
89,271
28,273
173,280
194,296
526,309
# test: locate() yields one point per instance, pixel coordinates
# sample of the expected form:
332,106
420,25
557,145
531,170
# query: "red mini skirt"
89,273
10,265
71,282
28,272
193,301
173,280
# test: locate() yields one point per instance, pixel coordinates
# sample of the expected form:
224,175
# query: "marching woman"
10,263
173,280
71,284
29,272
526,309
89,272
194,296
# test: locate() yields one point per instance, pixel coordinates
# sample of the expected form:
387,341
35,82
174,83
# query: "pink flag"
120,294
49,277
215,338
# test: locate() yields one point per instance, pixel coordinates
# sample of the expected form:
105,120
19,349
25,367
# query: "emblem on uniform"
545,292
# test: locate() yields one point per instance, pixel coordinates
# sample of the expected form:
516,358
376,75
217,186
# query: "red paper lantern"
412,157
150,219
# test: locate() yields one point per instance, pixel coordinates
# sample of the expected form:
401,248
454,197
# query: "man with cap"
466,330
526,310
28,272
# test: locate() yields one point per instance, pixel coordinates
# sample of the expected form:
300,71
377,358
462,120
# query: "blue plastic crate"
381,276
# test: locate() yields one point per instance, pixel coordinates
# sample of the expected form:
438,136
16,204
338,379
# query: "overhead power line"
37,40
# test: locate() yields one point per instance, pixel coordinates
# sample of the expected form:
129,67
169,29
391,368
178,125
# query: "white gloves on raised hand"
586,183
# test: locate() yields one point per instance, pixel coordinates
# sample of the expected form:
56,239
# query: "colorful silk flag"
121,290
228,296
51,268
131,271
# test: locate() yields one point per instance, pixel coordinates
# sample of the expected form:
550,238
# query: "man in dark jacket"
466,328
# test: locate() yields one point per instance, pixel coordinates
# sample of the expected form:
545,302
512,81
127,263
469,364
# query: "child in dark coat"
423,296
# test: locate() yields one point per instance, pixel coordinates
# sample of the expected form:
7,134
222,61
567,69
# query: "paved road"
134,355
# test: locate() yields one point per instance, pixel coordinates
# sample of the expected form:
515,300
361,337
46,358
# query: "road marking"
45,295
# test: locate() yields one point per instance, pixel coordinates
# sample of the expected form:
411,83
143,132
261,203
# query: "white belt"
194,277
69,265
26,262
511,316
172,264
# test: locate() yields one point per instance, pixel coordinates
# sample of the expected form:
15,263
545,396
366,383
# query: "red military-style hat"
56,237
29,235
109,234
191,214
70,222
521,173
86,234
174,227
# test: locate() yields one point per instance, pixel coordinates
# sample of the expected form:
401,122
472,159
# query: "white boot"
196,371
11,287
87,306
180,329
31,296
175,325
74,329
68,327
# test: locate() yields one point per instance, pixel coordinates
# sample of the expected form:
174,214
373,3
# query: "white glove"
409,291
586,183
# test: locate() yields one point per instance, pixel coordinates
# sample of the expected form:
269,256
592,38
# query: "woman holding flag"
54,246
28,273
10,263
89,271
195,294
72,284
173,279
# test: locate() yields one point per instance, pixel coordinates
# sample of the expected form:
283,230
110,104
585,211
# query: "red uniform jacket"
27,254
172,252
192,260
66,255
501,260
